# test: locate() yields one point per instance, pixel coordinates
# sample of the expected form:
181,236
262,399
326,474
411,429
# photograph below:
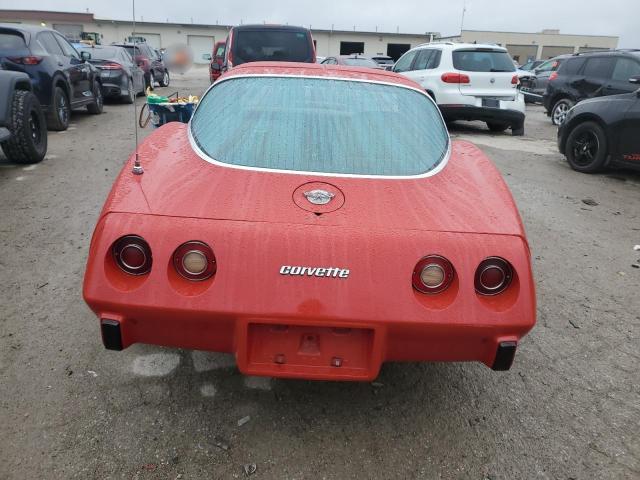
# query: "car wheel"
98,102
165,79
28,142
130,97
148,82
517,130
497,127
586,147
560,110
58,118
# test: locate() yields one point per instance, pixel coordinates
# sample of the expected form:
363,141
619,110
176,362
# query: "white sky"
613,17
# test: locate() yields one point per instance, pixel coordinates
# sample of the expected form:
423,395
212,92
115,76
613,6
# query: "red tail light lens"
132,254
432,274
553,76
28,60
195,261
515,80
110,66
493,276
455,78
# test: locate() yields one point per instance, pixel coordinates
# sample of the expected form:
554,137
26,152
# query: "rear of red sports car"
316,222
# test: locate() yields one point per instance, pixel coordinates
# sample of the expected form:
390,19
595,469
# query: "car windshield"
105,53
482,60
133,51
360,62
320,125
271,45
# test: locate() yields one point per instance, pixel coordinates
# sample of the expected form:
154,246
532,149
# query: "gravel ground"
568,409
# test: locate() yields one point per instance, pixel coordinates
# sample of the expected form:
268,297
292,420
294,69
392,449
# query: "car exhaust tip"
111,334
505,354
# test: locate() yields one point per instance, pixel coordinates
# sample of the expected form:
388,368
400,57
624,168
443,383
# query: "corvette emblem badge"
319,197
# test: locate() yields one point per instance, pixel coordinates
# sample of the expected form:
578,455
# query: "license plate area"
491,102
310,351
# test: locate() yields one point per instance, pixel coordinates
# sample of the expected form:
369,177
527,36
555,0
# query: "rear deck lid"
490,71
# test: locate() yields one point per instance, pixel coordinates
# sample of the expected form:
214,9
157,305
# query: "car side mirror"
85,56
206,56
635,80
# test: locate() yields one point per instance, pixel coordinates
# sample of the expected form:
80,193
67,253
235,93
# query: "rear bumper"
249,309
486,114
112,85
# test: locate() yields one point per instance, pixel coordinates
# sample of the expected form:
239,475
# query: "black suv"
589,75
61,78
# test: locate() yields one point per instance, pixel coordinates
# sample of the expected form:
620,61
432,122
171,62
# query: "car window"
599,67
220,51
548,66
11,41
67,49
625,69
404,62
271,45
422,59
320,125
49,43
125,55
571,66
360,62
482,60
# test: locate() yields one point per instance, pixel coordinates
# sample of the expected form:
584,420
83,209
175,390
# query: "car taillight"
493,276
515,80
451,77
132,254
195,261
28,60
109,66
553,76
432,274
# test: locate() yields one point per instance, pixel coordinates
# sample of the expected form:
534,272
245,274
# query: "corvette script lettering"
333,272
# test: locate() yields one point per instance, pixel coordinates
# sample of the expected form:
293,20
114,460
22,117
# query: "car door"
624,69
542,73
136,72
595,75
629,139
423,69
79,70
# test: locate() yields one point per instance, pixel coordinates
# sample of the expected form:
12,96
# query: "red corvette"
316,221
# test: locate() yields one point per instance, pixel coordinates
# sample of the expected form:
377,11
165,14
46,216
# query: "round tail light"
432,274
132,254
194,261
493,276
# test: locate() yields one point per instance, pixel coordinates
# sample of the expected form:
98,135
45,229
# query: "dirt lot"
568,409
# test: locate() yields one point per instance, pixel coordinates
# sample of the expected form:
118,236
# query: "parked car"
383,60
283,277
533,87
603,131
589,75
155,71
468,82
259,43
531,65
353,61
61,78
120,77
23,129
217,59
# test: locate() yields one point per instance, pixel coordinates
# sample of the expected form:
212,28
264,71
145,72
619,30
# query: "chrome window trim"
207,158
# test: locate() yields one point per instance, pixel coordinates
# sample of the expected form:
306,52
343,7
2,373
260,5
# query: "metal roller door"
200,44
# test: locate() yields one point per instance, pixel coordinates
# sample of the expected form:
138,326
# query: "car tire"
165,79
497,127
517,130
96,106
28,142
560,110
586,148
58,118
130,97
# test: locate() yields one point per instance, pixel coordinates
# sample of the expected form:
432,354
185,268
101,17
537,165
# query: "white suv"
468,81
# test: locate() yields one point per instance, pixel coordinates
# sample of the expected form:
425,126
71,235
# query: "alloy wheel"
560,113
63,112
585,148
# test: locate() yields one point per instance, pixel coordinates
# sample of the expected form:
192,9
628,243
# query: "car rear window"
271,45
482,60
320,125
105,53
11,42
360,62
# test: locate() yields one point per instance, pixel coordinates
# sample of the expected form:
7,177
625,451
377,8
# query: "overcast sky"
612,17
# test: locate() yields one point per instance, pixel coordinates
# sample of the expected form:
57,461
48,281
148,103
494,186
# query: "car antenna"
137,167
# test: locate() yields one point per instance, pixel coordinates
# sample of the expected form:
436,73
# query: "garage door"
153,39
523,53
200,44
